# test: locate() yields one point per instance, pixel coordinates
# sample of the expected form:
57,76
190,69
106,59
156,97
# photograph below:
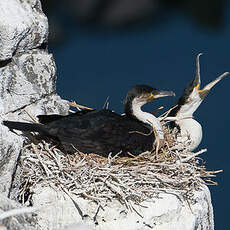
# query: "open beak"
204,92
196,82
213,83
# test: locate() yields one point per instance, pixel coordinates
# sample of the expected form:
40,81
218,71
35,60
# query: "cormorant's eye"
197,86
151,96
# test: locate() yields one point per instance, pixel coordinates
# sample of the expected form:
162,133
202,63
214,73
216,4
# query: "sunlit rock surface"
20,222
23,26
27,87
169,211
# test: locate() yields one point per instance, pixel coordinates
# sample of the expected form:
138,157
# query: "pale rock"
23,26
18,222
77,226
10,147
28,86
26,79
168,212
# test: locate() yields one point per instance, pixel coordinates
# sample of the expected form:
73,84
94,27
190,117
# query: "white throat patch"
147,118
193,102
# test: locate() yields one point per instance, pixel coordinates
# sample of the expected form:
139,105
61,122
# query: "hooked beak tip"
226,73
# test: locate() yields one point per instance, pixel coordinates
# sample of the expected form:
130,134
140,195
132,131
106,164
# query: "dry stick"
23,191
112,159
117,190
157,110
189,205
193,155
132,206
40,160
121,184
31,117
165,114
130,154
74,202
75,105
98,209
96,199
106,104
53,157
215,172
145,134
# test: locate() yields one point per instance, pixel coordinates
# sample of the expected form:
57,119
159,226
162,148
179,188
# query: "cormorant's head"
193,95
142,94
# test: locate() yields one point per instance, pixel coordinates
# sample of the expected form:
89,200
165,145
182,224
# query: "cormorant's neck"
187,110
182,116
133,110
188,107
192,130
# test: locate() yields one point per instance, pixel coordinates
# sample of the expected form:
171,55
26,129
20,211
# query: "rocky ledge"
28,88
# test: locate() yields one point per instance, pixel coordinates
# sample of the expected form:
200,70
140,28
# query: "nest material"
173,169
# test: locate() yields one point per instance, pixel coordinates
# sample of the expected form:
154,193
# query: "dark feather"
45,119
99,132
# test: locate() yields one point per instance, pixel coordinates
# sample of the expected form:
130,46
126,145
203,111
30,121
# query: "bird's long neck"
182,116
188,109
133,110
189,127
186,106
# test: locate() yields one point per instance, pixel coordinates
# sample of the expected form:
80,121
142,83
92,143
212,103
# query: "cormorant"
104,131
182,114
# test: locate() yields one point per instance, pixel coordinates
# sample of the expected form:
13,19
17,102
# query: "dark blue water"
95,65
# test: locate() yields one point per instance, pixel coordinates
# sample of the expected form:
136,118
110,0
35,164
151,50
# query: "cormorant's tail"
23,126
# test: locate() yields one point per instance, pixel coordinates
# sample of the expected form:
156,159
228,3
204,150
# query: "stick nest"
173,170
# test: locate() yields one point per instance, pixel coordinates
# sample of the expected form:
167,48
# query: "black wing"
98,132
102,132
45,119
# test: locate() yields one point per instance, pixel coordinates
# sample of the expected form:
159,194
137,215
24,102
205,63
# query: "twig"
31,117
40,160
165,114
75,105
193,156
106,104
74,202
158,109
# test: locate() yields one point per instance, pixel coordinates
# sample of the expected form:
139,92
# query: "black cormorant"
104,131
182,115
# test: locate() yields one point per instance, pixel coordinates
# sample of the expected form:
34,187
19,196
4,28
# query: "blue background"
93,64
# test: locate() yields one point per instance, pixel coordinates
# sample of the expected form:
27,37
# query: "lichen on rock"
23,26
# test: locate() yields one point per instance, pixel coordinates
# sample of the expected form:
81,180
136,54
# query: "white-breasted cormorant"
104,131
182,115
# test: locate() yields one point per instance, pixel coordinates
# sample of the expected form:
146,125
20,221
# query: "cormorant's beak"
196,82
204,92
162,93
